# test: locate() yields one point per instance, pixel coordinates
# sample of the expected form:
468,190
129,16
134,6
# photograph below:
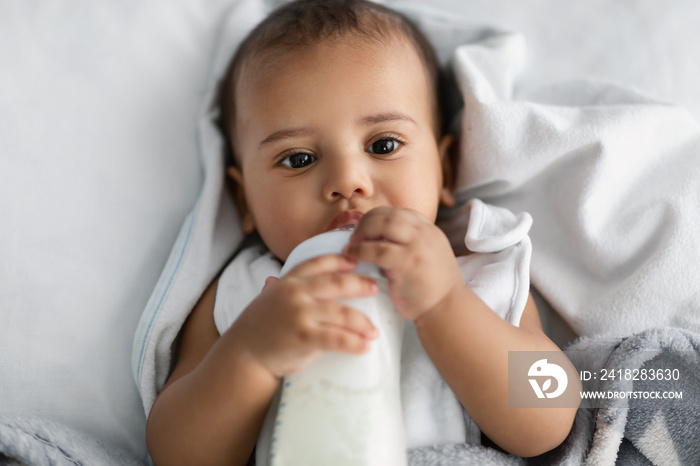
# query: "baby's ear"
235,184
449,155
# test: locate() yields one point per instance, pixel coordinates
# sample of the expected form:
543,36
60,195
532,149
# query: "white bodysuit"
497,270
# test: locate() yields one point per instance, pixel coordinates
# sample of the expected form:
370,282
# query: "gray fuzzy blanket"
34,441
632,431
621,431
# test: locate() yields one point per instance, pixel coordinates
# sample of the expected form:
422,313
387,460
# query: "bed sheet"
98,169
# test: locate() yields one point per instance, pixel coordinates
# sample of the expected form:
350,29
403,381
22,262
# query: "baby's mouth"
345,220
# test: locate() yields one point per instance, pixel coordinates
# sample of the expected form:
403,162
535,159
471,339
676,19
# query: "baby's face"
332,132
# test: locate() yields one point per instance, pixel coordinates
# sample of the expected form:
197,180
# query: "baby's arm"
469,344
465,339
213,405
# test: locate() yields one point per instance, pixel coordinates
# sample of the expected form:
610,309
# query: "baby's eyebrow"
285,133
368,120
385,116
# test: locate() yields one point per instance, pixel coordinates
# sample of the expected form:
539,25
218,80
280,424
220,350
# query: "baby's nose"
348,177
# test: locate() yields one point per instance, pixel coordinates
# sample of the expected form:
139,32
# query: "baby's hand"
296,317
414,254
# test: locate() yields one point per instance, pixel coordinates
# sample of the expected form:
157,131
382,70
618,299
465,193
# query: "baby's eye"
298,160
383,146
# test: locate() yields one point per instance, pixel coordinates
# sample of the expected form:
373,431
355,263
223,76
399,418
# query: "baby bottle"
344,409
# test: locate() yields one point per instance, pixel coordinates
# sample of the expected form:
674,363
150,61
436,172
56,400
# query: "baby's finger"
337,339
348,318
383,254
334,286
386,224
327,263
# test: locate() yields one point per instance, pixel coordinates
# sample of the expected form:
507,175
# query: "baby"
332,112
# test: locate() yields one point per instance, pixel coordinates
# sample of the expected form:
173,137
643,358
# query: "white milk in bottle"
343,409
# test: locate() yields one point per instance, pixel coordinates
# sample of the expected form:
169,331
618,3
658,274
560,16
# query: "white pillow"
98,168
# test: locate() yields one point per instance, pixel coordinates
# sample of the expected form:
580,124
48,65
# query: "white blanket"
209,235
610,177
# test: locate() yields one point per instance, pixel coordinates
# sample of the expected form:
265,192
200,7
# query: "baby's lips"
345,220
